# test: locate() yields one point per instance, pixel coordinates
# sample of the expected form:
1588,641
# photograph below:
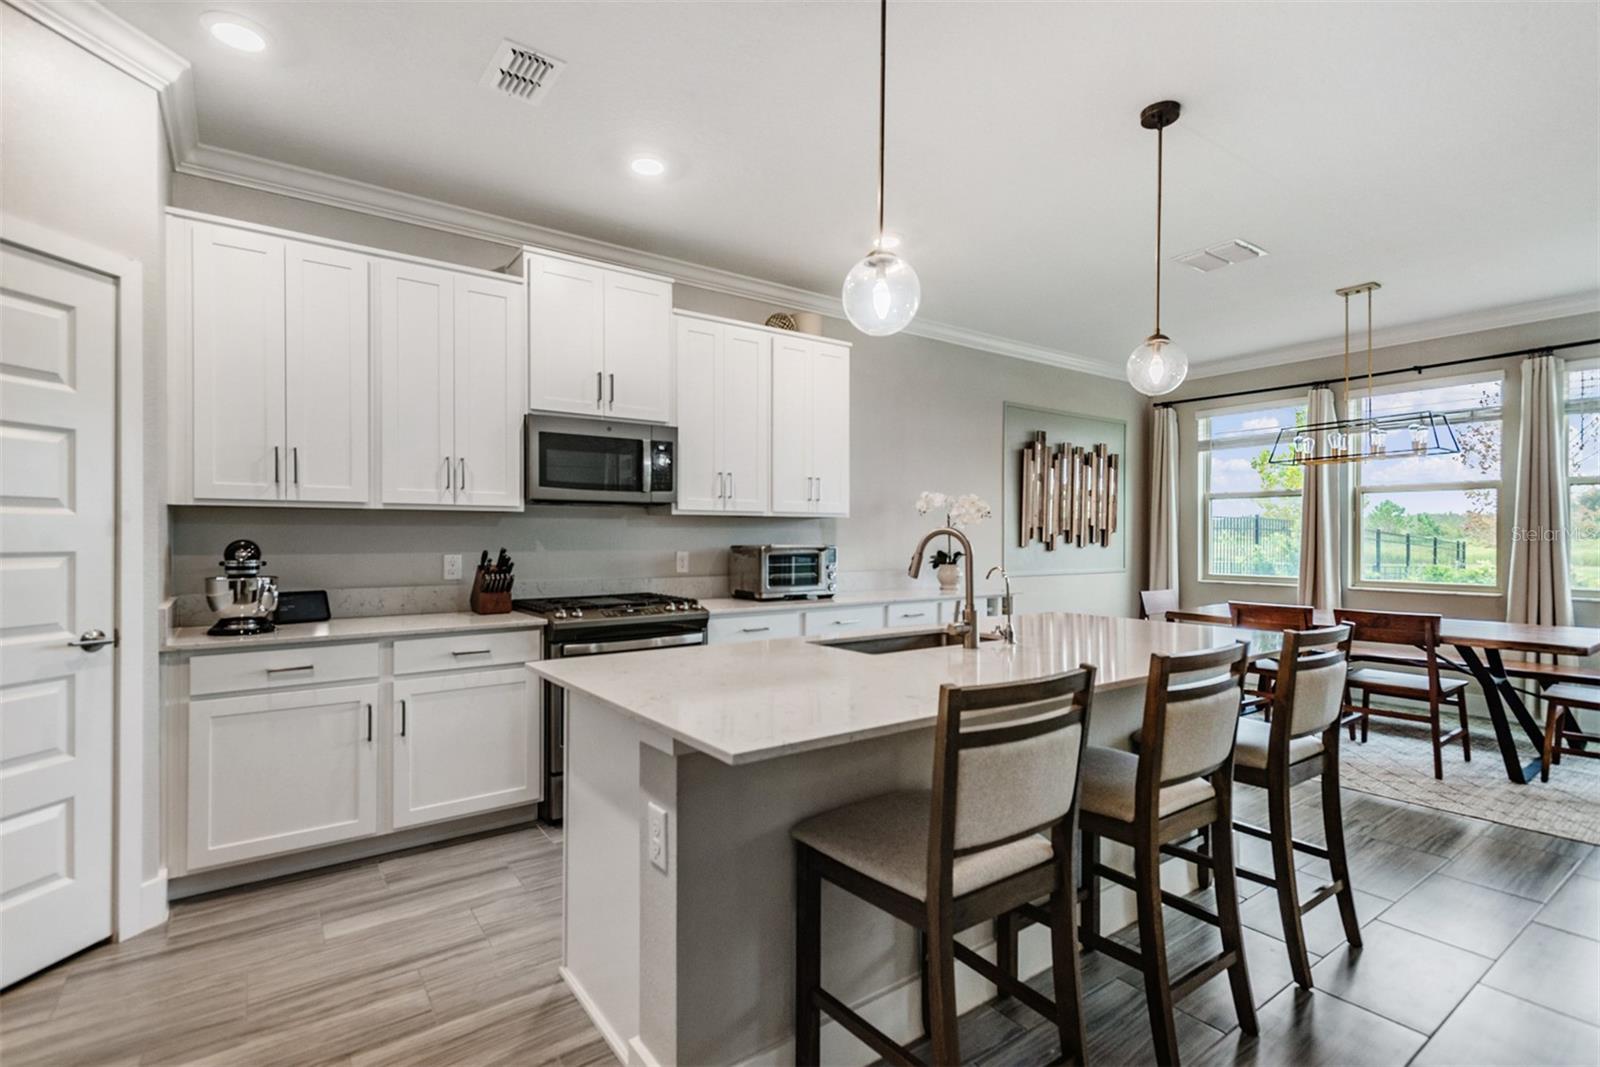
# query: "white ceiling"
1450,151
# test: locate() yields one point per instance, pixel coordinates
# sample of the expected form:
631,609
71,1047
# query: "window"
1431,520
1583,474
1250,511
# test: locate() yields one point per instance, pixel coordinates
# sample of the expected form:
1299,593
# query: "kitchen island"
686,769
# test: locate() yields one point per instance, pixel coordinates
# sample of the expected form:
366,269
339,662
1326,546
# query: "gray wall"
1490,604
84,155
924,415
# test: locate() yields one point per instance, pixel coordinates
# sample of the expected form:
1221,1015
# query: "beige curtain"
1540,590
1319,517
1163,573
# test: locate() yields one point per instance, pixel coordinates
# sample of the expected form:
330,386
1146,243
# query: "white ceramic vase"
949,577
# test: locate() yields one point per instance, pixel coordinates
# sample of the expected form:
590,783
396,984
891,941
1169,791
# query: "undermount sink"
877,646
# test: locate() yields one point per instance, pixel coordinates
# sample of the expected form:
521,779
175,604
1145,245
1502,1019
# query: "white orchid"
929,501
968,510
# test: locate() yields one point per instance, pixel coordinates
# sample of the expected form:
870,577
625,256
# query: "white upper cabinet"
810,427
724,405
599,340
326,370
416,342
237,328
490,368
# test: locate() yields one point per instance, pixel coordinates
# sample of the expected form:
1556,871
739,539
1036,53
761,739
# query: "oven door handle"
596,648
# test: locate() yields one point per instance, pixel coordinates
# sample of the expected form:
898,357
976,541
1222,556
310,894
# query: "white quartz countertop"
740,605
195,638
756,700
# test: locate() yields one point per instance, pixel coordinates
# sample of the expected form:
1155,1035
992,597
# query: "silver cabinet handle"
719,485
913,614
844,622
472,652
461,482
294,460
93,641
754,629
599,389
449,468
402,718
732,486
613,402
292,670
275,476
369,723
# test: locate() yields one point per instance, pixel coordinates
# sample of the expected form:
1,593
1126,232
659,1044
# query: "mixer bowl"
245,597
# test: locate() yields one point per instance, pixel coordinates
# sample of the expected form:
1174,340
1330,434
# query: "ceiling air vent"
1225,254
521,72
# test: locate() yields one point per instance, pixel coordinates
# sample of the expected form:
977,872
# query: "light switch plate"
683,563
656,827
452,568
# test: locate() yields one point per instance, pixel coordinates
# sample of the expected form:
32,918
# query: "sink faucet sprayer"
967,625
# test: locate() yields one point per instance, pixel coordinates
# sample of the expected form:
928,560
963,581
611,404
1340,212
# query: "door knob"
93,641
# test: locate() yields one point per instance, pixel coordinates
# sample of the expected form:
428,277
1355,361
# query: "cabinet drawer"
754,627
277,668
459,651
820,622
920,613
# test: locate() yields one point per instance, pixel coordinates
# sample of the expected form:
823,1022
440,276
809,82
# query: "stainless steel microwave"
598,461
780,572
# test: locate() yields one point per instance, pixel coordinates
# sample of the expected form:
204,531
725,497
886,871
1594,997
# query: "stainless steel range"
596,626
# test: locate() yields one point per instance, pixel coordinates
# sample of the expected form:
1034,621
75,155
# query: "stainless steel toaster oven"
783,572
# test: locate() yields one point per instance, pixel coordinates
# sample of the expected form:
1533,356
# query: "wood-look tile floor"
1482,946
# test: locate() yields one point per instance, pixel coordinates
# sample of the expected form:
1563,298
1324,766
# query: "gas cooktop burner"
611,606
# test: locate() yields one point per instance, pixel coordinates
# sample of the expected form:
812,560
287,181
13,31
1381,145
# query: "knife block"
484,602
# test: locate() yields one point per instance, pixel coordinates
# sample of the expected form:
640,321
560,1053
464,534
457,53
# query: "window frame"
1357,492
1204,445
1570,407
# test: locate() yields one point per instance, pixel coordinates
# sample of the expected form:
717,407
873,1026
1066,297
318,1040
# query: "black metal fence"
1395,555
1263,546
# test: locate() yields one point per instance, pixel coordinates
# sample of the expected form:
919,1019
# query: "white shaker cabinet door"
566,354
281,771
744,417
490,362
700,482
638,347
327,359
793,479
465,743
830,428
416,324
238,306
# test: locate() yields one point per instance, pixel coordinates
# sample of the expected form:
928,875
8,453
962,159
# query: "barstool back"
1311,675
1191,714
1006,759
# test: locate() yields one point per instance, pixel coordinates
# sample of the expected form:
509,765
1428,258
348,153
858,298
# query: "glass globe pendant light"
1158,366
881,293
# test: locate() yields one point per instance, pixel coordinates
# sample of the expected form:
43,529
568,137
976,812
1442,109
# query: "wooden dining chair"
1420,631
1156,603
1253,615
1181,780
1562,735
995,832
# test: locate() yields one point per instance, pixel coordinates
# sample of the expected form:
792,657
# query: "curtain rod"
1416,369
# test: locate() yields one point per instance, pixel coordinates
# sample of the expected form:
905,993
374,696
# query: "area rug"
1397,762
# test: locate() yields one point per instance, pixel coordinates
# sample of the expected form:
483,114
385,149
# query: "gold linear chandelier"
1364,437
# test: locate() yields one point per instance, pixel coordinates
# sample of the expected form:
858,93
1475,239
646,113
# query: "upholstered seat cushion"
1372,678
1109,777
886,838
1250,749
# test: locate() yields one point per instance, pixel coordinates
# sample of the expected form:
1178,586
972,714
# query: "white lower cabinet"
275,772
763,627
464,743
821,622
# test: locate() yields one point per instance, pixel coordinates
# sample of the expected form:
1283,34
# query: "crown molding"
1411,333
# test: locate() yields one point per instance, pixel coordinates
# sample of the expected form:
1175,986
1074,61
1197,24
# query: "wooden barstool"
1301,742
1252,615
995,832
1562,737
1422,632
1181,780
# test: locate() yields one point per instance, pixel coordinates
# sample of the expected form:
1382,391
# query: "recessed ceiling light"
890,241
235,31
648,167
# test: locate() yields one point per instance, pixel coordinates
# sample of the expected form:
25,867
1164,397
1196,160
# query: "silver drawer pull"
912,614
291,670
844,622
754,629
474,652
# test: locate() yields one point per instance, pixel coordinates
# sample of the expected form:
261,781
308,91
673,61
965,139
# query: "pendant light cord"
1347,352
883,92
1160,145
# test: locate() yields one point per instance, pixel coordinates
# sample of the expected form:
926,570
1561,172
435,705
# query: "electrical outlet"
656,825
683,563
452,568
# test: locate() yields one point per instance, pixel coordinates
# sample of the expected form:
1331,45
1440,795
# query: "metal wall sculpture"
1069,494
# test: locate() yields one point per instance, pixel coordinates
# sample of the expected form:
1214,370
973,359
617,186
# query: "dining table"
1480,643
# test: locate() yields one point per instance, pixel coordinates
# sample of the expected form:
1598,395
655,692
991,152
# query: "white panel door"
416,342
275,772
566,357
638,347
744,399
237,330
793,479
58,377
465,743
490,362
327,359
700,481
830,428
